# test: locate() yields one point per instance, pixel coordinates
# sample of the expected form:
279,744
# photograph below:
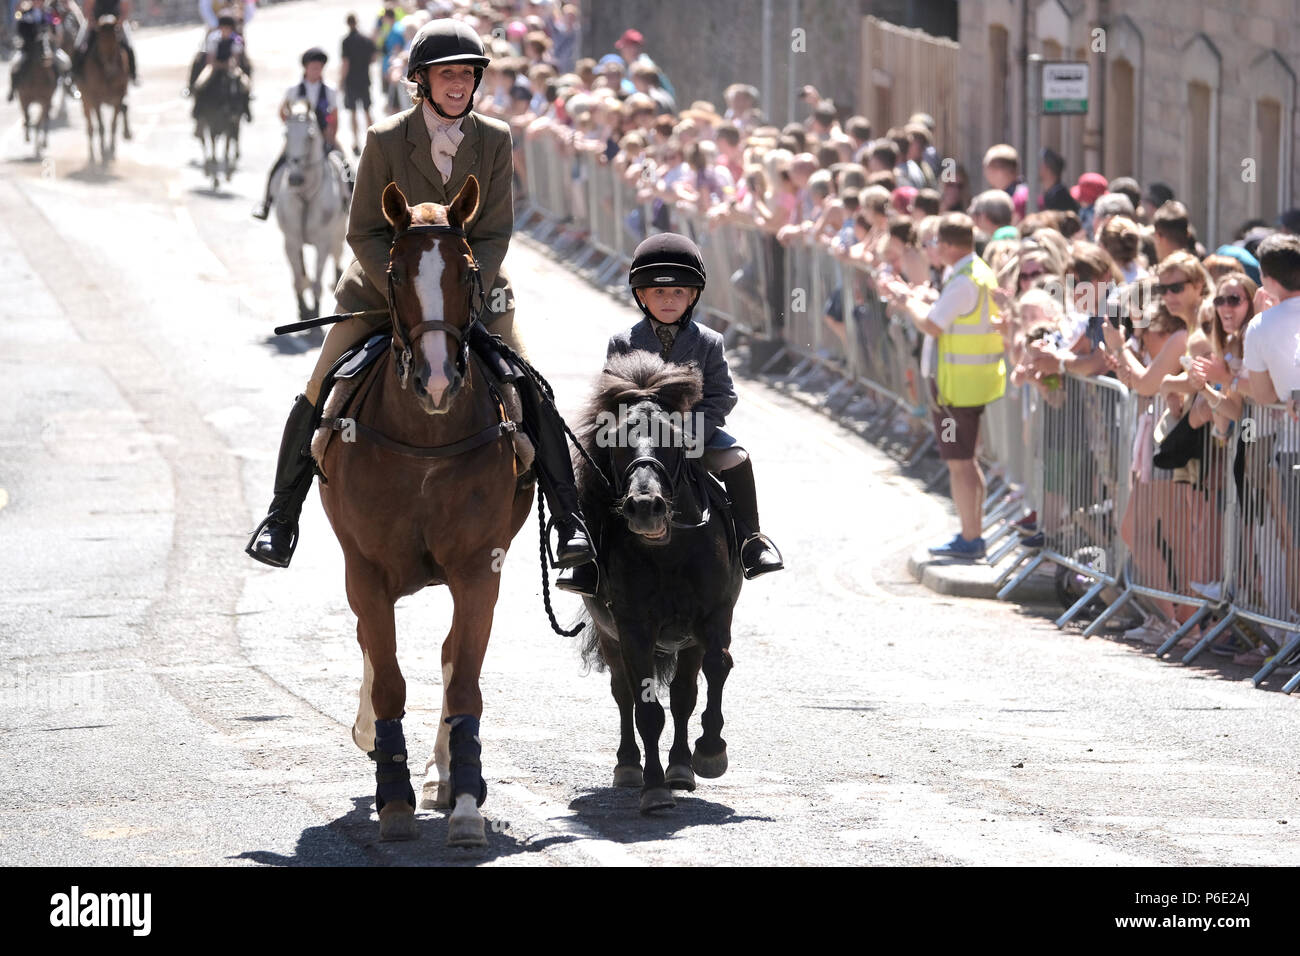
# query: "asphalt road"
165,700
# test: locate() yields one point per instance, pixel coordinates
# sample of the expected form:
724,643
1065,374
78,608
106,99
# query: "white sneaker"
1158,634
1212,591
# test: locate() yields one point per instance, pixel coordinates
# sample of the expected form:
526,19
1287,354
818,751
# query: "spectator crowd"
1101,277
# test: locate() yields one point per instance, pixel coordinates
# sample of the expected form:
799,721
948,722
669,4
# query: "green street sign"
1065,88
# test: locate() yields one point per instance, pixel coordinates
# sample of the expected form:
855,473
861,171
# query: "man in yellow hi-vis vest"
964,360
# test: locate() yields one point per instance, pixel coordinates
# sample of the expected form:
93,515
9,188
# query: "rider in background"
242,12
324,101
33,21
222,50
667,279
358,53
86,38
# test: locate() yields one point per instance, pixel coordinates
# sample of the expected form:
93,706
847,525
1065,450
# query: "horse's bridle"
408,337
670,478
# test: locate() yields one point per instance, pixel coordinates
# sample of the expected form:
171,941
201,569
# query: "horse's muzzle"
295,179
436,400
647,516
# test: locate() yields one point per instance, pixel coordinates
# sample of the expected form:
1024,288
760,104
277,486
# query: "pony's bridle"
408,337
671,479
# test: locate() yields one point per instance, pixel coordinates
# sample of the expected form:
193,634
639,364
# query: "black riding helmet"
667,259
441,42
313,55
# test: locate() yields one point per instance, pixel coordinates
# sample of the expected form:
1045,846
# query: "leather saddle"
348,374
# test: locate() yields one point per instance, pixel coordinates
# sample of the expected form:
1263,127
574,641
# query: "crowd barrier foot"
777,357
1107,614
612,268
1020,578
938,479
1182,631
1292,684
1011,568
1080,604
917,452
999,513
996,557
1211,637
1277,660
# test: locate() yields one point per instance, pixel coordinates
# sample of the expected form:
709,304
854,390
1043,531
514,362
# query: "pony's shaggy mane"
627,380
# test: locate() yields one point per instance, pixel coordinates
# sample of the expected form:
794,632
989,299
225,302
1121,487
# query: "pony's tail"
588,641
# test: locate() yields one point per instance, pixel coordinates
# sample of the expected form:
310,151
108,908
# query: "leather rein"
405,356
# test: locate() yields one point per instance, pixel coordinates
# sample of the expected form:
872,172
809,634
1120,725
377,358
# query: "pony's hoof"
680,777
657,798
710,765
397,821
467,830
628,775
435,796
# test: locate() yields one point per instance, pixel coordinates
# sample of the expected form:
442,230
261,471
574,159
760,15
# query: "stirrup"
569,562
251,548
570,579
751,573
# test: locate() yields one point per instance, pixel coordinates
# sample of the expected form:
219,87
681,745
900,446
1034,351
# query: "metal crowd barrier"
1078,484
1222,538
1262,563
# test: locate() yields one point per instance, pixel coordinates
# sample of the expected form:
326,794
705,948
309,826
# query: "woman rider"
429,151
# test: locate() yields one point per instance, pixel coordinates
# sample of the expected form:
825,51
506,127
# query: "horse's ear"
465,205
396,211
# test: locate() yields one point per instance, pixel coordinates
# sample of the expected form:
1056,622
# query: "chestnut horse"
427,492
103,82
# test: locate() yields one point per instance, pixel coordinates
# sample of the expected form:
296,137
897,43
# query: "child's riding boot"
758,555
274,540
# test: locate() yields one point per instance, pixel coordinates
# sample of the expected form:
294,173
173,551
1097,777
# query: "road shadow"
94,173
295,343
353,840
207,192
614,813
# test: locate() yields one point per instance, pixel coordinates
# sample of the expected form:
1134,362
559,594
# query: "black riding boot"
264,210
274,540
554,471
758,555
130,63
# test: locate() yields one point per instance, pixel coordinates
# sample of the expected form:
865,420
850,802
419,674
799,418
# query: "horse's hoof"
435,795
466,830
628,775
397,821
710,765
365,745
657,798
679,777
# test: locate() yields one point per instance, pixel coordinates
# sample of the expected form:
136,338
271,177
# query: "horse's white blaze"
438,767
433,345
363,730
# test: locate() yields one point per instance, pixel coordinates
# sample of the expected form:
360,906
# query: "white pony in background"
309,205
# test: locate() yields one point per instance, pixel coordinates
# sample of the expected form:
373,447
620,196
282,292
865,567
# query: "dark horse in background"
220,104
669,576
427,492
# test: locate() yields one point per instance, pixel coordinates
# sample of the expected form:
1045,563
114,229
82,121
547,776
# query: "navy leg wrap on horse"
392,777
466,765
